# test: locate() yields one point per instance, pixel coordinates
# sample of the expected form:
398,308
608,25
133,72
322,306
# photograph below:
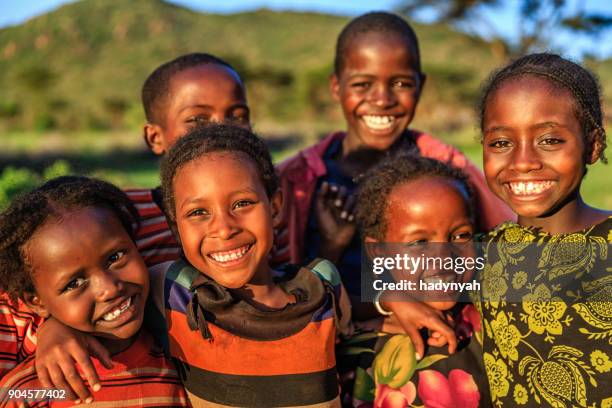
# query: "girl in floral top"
547,287
417,200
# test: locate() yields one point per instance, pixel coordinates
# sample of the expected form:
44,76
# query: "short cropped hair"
157,86
375,22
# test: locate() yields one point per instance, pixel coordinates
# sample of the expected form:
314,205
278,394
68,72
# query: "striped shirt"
17,327
154,238
235,354
141,377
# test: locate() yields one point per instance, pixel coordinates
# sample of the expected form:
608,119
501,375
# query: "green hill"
82,65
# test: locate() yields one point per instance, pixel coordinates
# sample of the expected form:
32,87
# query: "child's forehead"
209,75
216,174
62,221
218,161
425,189
534,81
381,45
531,97
77,228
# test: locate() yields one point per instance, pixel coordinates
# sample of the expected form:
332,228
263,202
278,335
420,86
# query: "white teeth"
436,279
530,187
113,314
376,122
232,255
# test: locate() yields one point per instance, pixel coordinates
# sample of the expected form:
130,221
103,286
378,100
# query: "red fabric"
299,175
141,377
154,238
17,327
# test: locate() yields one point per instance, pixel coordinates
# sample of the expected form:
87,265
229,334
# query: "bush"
14,181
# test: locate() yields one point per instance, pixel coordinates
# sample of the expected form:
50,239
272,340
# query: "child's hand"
413,316
334,212
59,350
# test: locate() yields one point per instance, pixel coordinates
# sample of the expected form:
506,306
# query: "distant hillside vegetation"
82,65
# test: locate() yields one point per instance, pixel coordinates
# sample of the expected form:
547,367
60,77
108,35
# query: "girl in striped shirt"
67,251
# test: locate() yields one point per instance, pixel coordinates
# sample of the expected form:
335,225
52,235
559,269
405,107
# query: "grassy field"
122,157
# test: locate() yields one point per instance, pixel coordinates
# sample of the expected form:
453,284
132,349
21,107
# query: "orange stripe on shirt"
303,352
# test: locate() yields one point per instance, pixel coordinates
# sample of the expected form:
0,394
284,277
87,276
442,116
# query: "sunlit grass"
122,157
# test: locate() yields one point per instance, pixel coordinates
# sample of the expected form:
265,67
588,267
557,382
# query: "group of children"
239,292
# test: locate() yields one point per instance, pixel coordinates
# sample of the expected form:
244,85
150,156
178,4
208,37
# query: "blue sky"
17,11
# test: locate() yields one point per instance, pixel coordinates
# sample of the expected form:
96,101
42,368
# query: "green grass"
122,157
119,157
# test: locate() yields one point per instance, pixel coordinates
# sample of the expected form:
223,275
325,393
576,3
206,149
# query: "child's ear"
334,86
35,304
154,138
596,149
277,208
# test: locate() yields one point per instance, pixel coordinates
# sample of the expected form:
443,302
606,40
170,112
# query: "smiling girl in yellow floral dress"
547,287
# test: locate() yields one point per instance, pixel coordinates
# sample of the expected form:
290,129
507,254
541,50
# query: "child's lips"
231,256
121,313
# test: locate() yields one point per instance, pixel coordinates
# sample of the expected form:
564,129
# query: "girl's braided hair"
564,74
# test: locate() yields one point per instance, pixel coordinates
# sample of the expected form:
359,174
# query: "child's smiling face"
198,95
88,274
533,145
431,209
378,88
225,218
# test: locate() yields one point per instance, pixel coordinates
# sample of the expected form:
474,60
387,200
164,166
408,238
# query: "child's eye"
240,117
197,120
499,144
462,237
243,203
198,212
360,85
115,257
75,283
417,242
403,84
551,141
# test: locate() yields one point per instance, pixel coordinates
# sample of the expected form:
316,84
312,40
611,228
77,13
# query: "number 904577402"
36,394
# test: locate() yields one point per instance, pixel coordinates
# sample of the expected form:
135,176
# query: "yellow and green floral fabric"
547,317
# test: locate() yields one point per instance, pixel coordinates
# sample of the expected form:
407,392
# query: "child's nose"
107,286
382,96
525,158
224,226
218,117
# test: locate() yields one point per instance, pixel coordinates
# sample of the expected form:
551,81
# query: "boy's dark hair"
157,85
374,190
30,211
563,74
215,138
378,22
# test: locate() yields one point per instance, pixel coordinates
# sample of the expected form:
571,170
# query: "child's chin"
124,332
380,142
